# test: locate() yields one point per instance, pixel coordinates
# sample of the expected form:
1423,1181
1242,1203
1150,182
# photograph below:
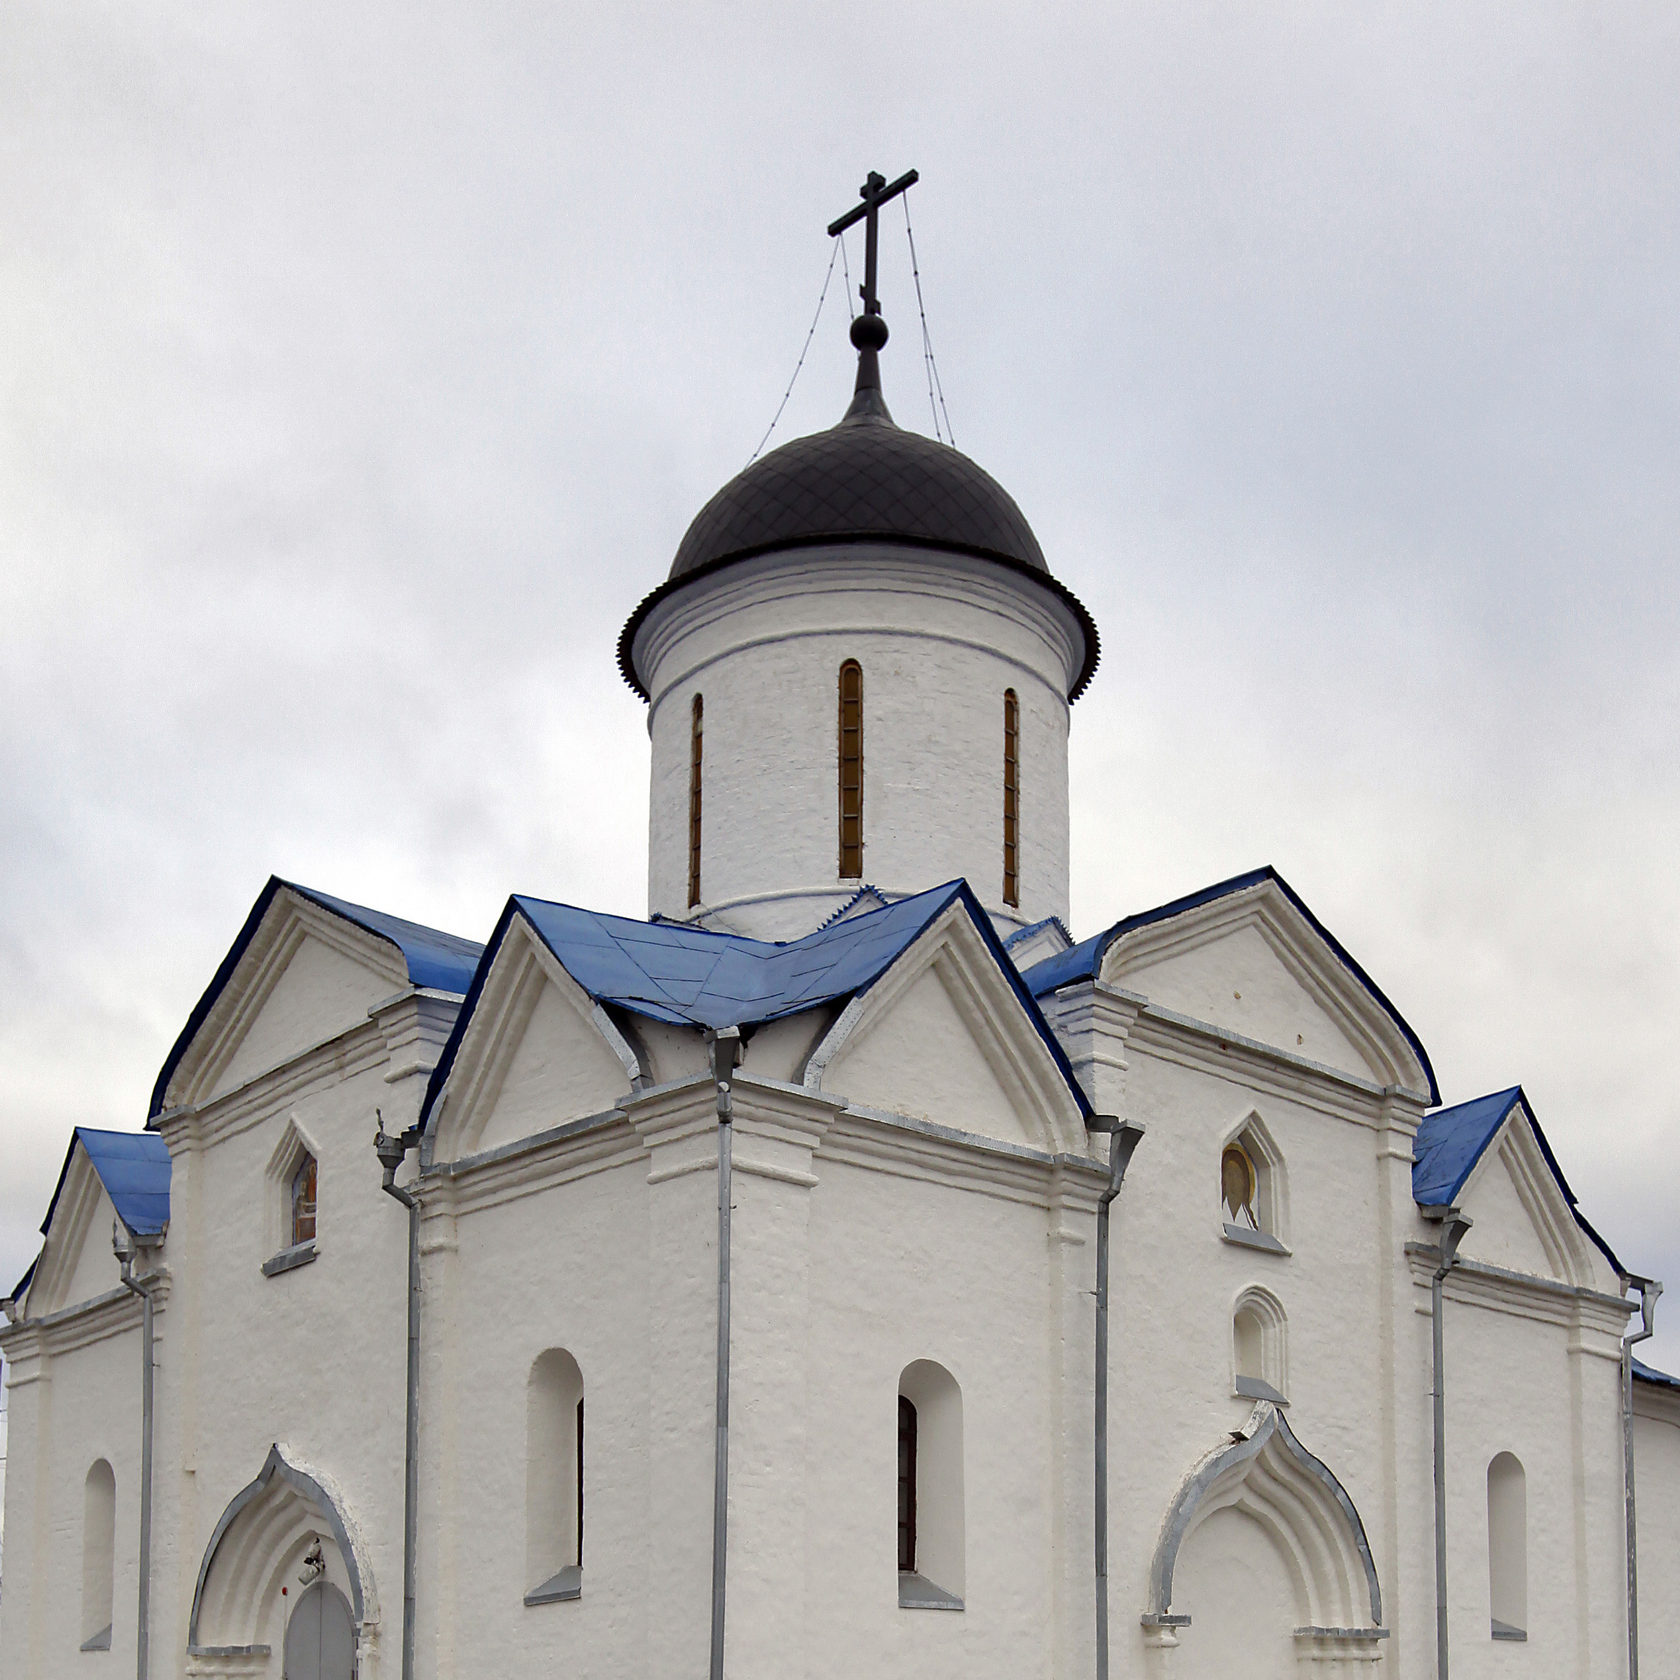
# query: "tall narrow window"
99,1544
1507,1497
851,771
906,1483
554,1478
1011,798
303,1201
930,1489
696,742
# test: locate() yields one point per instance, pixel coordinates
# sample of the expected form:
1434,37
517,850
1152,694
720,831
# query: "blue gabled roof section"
1658,1379
692,976
133,1167
1084,960
440,962
1451,1141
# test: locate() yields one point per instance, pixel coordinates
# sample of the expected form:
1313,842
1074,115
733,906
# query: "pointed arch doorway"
320,1636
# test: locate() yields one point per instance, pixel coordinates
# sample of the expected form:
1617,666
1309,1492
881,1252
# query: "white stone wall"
1656,1446
939,639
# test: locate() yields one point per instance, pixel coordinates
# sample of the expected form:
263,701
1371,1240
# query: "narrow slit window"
851,771
303,1201
1011,798
906,1484
695,757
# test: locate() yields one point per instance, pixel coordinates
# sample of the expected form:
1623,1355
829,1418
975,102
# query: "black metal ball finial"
869,332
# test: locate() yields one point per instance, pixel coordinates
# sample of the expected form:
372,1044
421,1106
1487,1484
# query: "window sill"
1257,1388
1245,1238
567,1584
101,1641
289,1259
1504,1630
917,1592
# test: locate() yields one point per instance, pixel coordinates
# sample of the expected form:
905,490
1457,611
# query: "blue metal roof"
1648,1373
441,962
133,1167
1451,1141
1084,960
692,976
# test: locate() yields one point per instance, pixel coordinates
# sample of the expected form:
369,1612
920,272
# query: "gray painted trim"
1504,1630
522,1146
1257,1388
1267,1421
228,1650
275,1465
1245,1238
101,1641
917,1592
289,1259
559,1588
1352,1636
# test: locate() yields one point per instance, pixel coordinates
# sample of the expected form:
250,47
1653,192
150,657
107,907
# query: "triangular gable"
946,1034
1305,993
1038,942
690,976
76,1262
1492,1152
539,1052
355,957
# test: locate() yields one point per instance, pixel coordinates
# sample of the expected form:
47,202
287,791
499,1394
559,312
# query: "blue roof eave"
437,961
1440,1174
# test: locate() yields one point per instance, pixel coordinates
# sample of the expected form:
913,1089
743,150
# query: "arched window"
303,1191
1258,1347
99,1547
554,1478
1011,798
930,1489
695,744
1507,1499
851,771
1252,1199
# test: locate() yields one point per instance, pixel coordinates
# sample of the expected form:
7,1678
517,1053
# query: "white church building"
843,1272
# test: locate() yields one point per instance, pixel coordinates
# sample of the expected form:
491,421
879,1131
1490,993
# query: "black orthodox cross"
874,192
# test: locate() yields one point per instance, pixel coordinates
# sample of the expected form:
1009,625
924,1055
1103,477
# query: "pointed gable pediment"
301,976
536,1052
945,1036
305,968
1490,1157
76,1261
1250,959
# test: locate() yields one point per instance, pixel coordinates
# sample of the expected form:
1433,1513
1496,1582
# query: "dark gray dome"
862,481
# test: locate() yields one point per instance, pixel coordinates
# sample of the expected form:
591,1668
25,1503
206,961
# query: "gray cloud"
365,364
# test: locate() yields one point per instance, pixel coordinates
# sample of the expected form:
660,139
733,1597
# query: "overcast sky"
363,365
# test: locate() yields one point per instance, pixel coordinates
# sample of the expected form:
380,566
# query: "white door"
320,1640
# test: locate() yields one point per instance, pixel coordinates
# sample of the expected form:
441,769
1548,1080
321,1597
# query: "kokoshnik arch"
743,1308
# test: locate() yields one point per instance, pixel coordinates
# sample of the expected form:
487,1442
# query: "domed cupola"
859,670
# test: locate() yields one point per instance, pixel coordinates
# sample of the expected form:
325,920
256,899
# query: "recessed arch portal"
1267,1476
270,1527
